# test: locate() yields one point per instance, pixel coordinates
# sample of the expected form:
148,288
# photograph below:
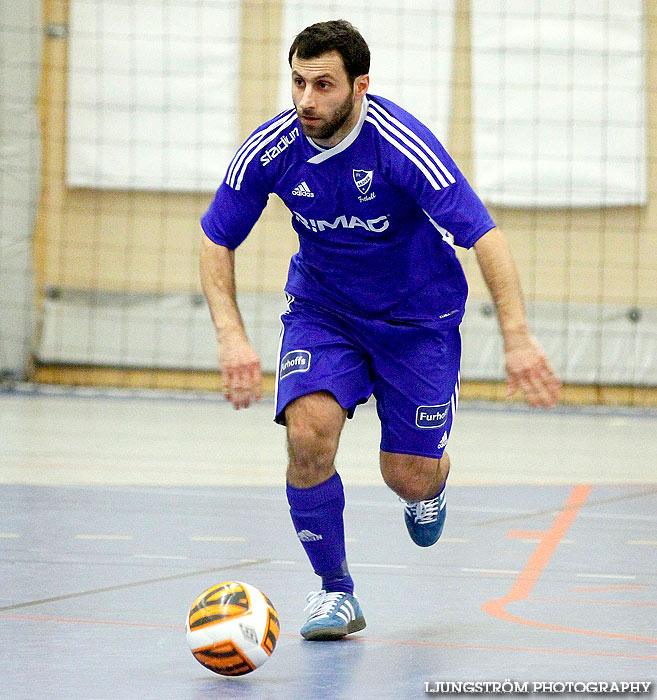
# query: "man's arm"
240,364
527,366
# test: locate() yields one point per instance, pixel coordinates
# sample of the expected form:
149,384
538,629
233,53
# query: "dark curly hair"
336,35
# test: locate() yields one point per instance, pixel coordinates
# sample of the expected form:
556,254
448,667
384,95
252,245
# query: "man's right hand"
240,371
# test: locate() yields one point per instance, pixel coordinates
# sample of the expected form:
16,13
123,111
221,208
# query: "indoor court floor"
119,509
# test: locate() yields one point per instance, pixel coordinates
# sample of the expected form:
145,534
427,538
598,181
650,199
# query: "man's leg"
414,478
420,482
314,423
417,386
314,489
316,497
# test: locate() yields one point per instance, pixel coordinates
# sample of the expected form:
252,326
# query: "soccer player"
375,298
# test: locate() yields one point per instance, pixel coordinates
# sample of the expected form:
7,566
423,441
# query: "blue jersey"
377,215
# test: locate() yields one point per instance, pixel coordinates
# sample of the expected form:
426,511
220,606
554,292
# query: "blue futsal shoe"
425,519
332,616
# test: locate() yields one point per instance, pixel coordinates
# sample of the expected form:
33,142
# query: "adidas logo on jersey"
307,536
443,441
302,190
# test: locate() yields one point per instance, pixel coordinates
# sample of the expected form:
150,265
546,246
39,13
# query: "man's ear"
361,86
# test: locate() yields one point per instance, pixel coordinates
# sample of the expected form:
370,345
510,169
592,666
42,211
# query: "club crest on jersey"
294,361
363,180
432,416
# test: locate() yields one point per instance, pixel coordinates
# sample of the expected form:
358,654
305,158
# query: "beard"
327,126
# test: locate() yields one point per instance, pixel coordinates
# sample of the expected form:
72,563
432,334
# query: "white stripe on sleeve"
405,151
261,144
254,141
432,156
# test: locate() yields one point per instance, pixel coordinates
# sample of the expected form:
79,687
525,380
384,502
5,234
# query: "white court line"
103,537
618,516
454,540
493,511
490,571
157,556
649,543
211,538
612,576
356,564
9,535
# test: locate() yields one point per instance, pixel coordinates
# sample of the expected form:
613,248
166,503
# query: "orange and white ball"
232,628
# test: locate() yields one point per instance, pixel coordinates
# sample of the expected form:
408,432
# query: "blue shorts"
412,370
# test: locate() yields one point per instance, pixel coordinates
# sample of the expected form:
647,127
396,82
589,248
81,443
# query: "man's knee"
310,441
314,423
412,477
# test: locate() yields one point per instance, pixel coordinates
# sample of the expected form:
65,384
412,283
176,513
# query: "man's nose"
307,100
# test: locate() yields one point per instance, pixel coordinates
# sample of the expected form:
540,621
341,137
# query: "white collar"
324,154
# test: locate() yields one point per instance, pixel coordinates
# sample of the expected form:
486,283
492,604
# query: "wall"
147,242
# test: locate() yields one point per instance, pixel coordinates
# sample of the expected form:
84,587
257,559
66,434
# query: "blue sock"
317,516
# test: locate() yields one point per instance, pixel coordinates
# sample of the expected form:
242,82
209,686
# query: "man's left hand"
529,370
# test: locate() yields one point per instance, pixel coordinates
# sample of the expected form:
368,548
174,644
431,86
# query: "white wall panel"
559,102
152,93
20,173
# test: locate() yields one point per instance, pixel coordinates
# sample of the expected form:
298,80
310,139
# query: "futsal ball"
232,628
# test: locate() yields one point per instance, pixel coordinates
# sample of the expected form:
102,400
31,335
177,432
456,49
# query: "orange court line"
548,544
491,609
351,640
536,564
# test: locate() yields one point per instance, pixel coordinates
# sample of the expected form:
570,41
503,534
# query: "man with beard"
375,298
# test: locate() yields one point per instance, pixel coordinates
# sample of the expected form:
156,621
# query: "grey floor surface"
117,511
